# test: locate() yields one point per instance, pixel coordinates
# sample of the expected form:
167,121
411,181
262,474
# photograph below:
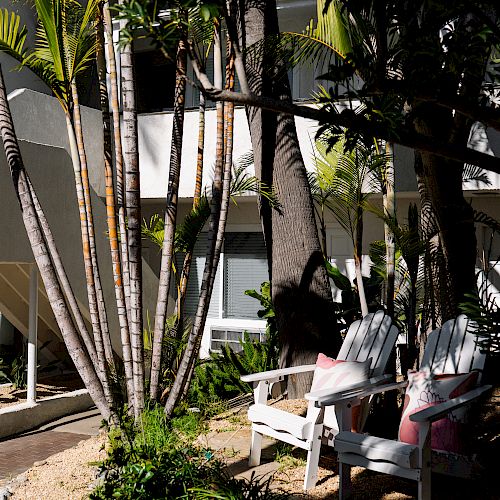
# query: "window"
220,336
243,266
155,80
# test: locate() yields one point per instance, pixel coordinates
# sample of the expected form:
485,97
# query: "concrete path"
20,453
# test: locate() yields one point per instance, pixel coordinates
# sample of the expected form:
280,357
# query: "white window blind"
245,268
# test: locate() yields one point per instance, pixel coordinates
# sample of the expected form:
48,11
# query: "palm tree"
220,200
348,178
110,196
133,214
64,49
41,253
171,208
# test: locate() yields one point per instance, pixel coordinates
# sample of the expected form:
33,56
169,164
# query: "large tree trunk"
111,214
40,251
133,211
170,217
300,288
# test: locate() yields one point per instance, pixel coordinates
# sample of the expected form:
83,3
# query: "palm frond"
473,173
187,233
12,38
154,230
242,183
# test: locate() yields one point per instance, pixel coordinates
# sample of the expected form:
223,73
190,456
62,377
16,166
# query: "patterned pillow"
425,390
335,374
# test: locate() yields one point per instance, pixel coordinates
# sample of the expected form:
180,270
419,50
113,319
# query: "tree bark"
300,288
133,211
170,216
219,205
54,293
117,137
111,214
101,306
87,261
62,276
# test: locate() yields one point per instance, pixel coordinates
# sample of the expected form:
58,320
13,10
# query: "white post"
32,334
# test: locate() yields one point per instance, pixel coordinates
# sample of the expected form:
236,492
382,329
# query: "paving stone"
19,454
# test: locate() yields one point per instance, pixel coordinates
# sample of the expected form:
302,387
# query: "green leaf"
341,281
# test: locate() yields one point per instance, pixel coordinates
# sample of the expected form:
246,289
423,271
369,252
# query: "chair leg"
313,459
425,457
255,449
344,481
424,485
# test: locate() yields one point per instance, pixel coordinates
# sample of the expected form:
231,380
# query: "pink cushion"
425,390
335,374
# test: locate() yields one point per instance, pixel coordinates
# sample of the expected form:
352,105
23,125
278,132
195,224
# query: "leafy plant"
16,370
157,459
219,377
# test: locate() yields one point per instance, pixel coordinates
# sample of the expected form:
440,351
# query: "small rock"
39,463
22,478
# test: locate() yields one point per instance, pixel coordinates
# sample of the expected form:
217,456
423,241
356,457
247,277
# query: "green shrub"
218,378
157,459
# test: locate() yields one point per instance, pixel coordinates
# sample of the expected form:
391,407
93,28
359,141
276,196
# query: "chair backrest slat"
373,336
453,348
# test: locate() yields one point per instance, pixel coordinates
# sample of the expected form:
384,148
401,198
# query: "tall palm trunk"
358,261
101,305
87,261
62,276
170,216
389,211
133,211
71,338
214,246
111,215
117,137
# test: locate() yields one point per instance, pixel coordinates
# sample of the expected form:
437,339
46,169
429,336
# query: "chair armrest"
277,374
364,384
356,394
437,412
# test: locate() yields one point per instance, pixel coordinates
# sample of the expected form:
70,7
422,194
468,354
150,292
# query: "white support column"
32,334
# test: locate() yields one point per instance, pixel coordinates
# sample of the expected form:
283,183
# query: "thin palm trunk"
389,202
115,109
226,191
358,260
63,317
188,258
87,260
101,305
62,276
170,217
133,212
111,216
194,339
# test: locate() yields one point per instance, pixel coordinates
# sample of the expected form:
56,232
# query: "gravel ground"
64,476
68,474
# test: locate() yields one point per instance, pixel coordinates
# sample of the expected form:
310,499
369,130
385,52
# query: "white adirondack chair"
451,349
372,337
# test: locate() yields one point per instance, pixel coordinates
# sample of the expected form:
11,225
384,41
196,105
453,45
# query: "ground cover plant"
160,459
